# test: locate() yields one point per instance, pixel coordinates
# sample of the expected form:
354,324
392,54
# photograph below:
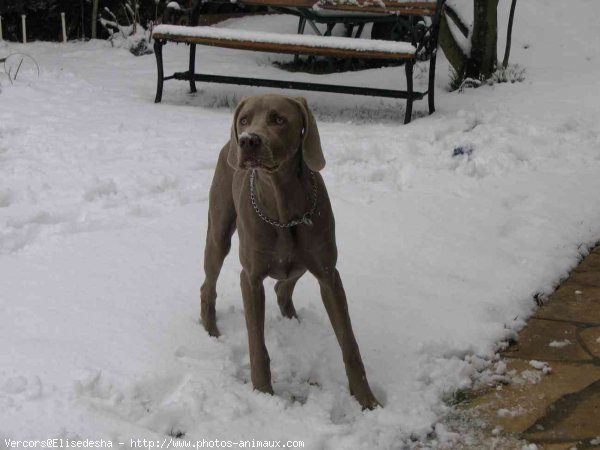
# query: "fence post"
94,18
1,28
64,28
24,28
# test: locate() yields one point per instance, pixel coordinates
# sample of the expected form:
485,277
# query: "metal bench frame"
425,39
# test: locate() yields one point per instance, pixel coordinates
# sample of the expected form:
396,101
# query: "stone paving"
553,399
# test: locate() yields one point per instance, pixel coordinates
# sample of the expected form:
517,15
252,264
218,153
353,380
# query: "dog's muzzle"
252,151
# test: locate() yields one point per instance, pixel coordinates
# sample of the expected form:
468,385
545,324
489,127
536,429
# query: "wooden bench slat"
286,43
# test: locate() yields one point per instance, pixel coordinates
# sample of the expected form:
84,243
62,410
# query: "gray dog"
266,184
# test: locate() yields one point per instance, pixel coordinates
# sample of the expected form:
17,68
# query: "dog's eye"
243,121
279,120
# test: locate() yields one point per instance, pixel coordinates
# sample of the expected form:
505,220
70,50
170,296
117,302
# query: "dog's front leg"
221,225
253,293
334,299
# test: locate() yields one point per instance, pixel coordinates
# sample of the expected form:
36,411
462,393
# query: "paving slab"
590,263
590,337
574,416
586,278
573,303
573,445
558,409
548,340
519,406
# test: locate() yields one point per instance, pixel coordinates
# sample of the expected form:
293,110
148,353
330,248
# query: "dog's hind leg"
221,226
284,290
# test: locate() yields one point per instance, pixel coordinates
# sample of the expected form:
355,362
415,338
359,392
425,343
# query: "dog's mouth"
251,163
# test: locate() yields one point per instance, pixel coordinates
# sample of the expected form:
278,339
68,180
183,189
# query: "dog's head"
269,130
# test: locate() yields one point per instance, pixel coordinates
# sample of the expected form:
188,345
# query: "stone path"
555,405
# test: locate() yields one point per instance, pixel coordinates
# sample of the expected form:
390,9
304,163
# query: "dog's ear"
232,154
311,142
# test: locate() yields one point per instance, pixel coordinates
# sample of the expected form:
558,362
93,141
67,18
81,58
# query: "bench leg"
192,67
409,90
158,45
301,26
431,88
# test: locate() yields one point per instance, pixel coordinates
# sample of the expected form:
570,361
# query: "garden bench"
423,46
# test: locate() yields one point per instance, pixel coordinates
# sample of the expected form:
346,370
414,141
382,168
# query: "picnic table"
420,44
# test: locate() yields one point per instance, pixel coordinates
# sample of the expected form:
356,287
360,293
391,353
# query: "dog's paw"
370,404
365,397
211,327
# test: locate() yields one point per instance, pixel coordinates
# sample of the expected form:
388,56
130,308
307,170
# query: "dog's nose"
249,141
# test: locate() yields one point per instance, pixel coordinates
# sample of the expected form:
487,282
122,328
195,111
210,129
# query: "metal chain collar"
306,217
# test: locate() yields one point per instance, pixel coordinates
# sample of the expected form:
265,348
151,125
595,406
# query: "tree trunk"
509,33
483,59
94,18
82,24
452,50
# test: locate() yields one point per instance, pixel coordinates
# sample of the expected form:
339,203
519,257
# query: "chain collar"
306,217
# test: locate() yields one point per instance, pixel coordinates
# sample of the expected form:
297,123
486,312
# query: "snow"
537,364
103,203
559,344
336,42
173,5
540,365
530,447
353,3
517,411
363,3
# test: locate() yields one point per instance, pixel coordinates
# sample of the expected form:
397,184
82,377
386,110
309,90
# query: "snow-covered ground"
103,203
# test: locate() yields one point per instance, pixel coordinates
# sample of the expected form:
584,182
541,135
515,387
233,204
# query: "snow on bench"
285,43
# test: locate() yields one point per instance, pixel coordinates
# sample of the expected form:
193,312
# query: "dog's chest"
285,256
278,252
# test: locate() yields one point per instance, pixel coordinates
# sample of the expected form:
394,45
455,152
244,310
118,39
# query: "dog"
267,186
